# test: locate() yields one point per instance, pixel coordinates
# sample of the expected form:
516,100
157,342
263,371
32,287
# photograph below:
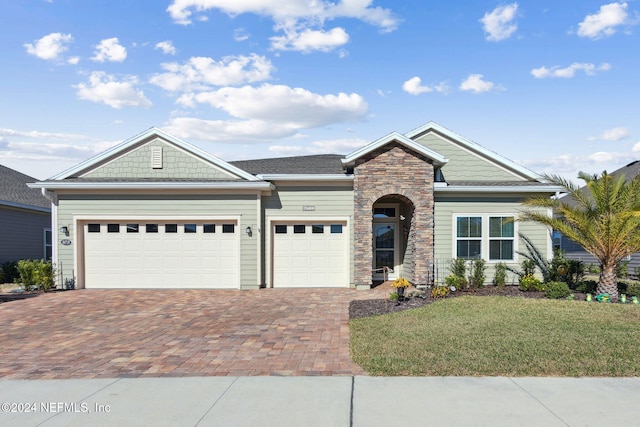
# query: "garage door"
310,254
153,254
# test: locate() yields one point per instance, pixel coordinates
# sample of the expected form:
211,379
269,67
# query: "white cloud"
604,23
228,130
568,72
499,23
286,149
332,146
166,47
38,134
309,40
104,88
110,50
49,47
203,72
475,83
289,10
414,87
614,134
301,20
73,60
294,107
240,35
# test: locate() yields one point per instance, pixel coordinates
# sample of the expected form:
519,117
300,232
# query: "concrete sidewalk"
321,401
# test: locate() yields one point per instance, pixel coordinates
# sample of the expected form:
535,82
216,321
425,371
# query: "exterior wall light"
248,231
64,230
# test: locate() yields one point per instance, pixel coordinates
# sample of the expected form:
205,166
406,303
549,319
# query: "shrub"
623,269
629,288
459,270
593,269
528,267
476,279
587,286
500,276
9,272
530,283
457,281
439,292
557,290
35,274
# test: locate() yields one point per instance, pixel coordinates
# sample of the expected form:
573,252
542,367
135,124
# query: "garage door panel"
162,259
309,259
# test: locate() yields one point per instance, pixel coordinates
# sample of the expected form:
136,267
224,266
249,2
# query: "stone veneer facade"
394,170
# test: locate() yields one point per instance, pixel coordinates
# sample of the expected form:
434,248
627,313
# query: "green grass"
501,336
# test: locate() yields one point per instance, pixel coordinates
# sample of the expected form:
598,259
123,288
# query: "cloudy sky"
550,84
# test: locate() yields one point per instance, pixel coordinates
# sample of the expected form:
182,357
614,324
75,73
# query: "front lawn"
501,336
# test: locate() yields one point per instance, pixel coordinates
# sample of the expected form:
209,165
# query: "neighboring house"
25,218
158,212
572,250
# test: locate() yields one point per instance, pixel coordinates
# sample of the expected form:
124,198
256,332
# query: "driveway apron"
152,333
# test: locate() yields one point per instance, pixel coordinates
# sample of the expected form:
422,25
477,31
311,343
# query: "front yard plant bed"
500,336
373,307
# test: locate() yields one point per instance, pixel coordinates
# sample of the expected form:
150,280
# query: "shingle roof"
323,164
14,190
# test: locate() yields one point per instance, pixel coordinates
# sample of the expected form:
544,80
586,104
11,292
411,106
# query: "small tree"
604,219
500,275
477,268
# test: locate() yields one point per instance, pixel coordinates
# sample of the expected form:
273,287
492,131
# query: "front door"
384,250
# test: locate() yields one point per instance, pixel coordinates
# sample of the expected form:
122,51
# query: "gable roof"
148,134
14,191
472,146
438,159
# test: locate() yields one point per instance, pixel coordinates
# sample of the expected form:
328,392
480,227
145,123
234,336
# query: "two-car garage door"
310,254
161,254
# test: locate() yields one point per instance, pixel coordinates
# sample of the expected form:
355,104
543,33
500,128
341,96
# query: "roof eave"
437,159
66,185
24,206
546,189
306,177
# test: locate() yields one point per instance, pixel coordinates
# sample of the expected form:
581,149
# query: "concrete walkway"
321,401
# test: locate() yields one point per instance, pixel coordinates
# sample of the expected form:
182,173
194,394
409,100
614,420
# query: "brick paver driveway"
131,333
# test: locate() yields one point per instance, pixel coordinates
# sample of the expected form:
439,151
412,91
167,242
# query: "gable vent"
156,157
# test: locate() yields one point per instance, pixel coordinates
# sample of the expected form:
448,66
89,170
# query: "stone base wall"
394,170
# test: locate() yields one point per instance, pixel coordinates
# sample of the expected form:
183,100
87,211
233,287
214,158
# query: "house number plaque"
65,242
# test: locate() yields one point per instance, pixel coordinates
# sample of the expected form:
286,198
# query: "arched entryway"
391,234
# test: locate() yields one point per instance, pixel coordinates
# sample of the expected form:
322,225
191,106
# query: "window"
317,229
132,228
93,228
228,228
190,228
468,237
151,228
281,229
336,228
384,212
113,228
501,232
208,228
171,228
48,244
298,229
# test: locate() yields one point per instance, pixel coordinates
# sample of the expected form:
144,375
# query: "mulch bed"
374,307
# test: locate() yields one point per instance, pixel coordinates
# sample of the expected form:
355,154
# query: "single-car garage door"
310,254
161,254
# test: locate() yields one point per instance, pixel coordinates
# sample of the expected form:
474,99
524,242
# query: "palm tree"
603,217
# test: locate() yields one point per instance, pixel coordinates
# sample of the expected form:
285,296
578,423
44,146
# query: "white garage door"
310,254
154,254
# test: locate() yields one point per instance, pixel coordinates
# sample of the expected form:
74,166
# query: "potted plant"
400,284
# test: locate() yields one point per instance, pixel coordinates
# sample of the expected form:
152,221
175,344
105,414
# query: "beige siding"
463,164
288,201
447,210
176,163
183,206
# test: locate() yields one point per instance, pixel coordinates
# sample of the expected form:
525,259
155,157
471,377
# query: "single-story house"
25,219
156,211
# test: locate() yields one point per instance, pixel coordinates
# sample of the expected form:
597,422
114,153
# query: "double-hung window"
501,237
469,237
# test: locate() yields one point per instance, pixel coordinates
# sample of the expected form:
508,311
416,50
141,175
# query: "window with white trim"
501,238
469,237
48,244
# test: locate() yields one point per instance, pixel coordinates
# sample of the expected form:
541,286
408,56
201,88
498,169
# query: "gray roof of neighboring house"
629,171
323,164
14,190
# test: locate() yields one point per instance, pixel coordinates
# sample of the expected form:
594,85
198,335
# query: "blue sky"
551,85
